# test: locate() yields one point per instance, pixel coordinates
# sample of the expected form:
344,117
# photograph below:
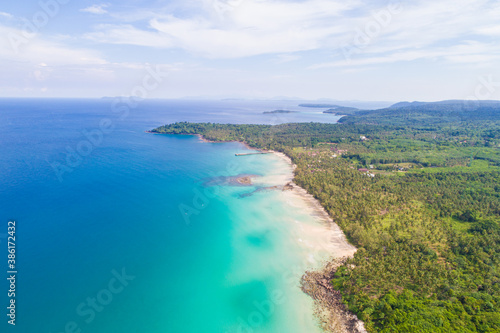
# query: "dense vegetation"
429,113
420,200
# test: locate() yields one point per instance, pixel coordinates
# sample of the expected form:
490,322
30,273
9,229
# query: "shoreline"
203,139
330,312
341,241
329,308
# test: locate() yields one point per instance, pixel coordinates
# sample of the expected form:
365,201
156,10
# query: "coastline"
203,139
330,311
331,314
340,245
329,308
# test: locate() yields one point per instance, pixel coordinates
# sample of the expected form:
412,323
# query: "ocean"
118,230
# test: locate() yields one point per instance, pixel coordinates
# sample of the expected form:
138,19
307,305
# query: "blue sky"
350,49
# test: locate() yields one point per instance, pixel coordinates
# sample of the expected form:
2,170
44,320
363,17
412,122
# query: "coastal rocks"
333,315
261,189
244,180
286,187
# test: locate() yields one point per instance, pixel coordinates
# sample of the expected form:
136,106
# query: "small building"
363,170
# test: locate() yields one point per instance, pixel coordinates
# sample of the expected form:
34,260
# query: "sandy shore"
331,313
324,241
339,247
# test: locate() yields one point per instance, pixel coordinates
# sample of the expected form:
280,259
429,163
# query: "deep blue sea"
118,231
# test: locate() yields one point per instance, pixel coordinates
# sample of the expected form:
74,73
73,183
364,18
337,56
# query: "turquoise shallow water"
131,240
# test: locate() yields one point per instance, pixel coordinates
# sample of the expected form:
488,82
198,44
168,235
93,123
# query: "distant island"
279,111
320,106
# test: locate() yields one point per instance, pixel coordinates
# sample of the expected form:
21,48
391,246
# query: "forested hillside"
421,113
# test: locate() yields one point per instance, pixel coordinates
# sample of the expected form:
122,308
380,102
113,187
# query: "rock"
329,309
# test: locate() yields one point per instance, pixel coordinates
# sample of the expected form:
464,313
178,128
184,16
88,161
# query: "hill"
423,113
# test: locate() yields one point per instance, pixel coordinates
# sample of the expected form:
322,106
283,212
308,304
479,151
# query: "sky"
375,50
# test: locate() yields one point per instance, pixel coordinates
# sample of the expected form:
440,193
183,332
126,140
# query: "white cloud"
493,30
42,65
282,58
128,34
37,50
250,28
96,9
456,37
466,53
445,31
5,15
422,29
40,61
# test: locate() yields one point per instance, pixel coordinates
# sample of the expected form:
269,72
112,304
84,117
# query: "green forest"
417,191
